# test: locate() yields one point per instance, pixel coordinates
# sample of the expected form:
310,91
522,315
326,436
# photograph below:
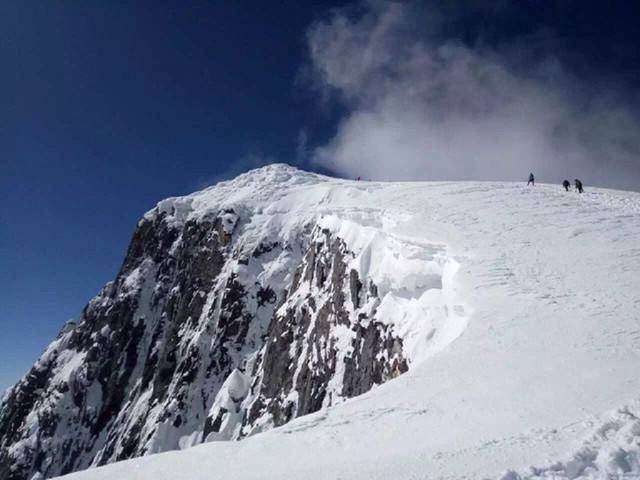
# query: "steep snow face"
237,309
515,309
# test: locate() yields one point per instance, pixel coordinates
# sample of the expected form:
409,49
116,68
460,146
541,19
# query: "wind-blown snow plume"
423,104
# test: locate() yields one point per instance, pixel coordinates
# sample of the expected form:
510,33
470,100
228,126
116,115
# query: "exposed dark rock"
266,295
215,426
265,248
365,368
355,285
300,353
151,351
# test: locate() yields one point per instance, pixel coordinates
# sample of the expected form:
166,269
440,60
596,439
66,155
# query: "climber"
579,185
531,180
566,185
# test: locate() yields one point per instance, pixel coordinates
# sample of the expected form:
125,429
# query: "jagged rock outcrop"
304,365
230,314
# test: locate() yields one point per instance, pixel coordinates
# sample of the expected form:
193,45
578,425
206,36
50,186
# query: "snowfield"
520,310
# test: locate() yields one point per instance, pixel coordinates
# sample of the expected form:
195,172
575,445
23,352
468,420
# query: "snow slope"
520,310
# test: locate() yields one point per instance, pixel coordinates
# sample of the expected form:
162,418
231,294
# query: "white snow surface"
520,312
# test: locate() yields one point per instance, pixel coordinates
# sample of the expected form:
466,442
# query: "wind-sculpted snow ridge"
236,310
256,189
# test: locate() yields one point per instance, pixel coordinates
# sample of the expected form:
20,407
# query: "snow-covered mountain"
421,330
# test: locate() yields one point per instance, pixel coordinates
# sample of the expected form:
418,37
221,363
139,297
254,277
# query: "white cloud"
423,105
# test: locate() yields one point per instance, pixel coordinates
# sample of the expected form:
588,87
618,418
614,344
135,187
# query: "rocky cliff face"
231,314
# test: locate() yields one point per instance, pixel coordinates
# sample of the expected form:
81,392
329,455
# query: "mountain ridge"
467,307
209,285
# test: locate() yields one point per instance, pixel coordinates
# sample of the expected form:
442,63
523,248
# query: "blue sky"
109,107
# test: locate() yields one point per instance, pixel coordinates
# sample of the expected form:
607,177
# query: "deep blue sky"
109,107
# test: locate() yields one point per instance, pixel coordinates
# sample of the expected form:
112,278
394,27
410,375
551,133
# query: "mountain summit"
482,327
